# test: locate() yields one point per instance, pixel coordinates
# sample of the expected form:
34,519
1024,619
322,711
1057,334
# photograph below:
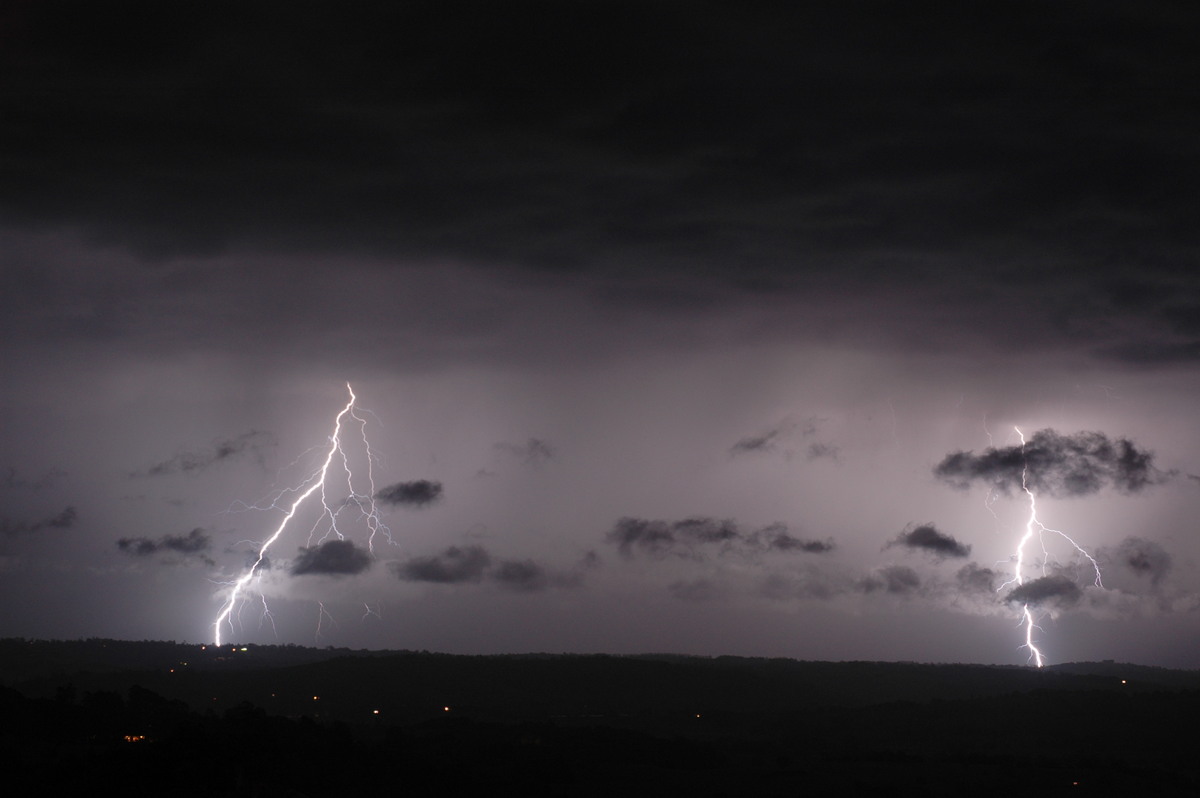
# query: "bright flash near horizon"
314,484
1034,526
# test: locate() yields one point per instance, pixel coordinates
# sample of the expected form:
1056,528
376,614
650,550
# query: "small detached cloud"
1140,558
927,538
63,520
193,544
533,453
780,436
252,443
973,578
691,537
332,558
455,565
474,564
777,537
1055,591
766,441
418,493
895,579
523,575
1058,465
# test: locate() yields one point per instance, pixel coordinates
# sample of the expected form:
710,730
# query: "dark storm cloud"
1056,591
454,565
972,578
333,557
691,536
1059,465
418,493
194,543
1145,558
63,520
769,152
534,452
896,579
250,443
926,537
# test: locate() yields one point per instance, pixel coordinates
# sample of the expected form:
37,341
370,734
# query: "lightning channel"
1034,527
314,484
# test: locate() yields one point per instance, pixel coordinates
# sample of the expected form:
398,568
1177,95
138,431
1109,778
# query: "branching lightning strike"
315,483
1034,526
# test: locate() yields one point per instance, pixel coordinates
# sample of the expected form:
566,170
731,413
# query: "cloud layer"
695,537
1058,465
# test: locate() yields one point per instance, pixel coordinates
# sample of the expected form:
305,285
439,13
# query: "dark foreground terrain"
173,719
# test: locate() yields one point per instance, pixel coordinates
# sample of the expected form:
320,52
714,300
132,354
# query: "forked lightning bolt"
314,484
1033,526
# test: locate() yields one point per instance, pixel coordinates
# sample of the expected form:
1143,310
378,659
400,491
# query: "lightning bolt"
1034,526
322,614
314,484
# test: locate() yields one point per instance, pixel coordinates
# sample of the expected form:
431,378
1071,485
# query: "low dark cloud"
193,544
522,575
1144,558
973,578
455,565
475,564
818,451
418,493
1058,465
658,538
766,441
926,537
897,579
1057,591
63,520
534,452
333,557
252,443
691,537
779,539
778,436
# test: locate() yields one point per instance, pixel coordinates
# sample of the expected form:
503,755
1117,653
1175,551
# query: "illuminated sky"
673,326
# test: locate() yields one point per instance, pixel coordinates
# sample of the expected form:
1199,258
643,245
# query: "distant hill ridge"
532,685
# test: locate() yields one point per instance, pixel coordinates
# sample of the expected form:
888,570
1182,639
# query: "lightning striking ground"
313,484
1034,526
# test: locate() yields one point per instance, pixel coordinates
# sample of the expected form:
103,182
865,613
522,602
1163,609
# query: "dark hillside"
289,721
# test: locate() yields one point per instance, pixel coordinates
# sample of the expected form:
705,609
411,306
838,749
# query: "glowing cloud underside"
314,484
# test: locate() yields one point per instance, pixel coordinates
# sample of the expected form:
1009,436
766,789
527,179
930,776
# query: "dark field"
172,719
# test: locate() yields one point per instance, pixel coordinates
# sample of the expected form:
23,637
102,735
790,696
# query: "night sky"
674,326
